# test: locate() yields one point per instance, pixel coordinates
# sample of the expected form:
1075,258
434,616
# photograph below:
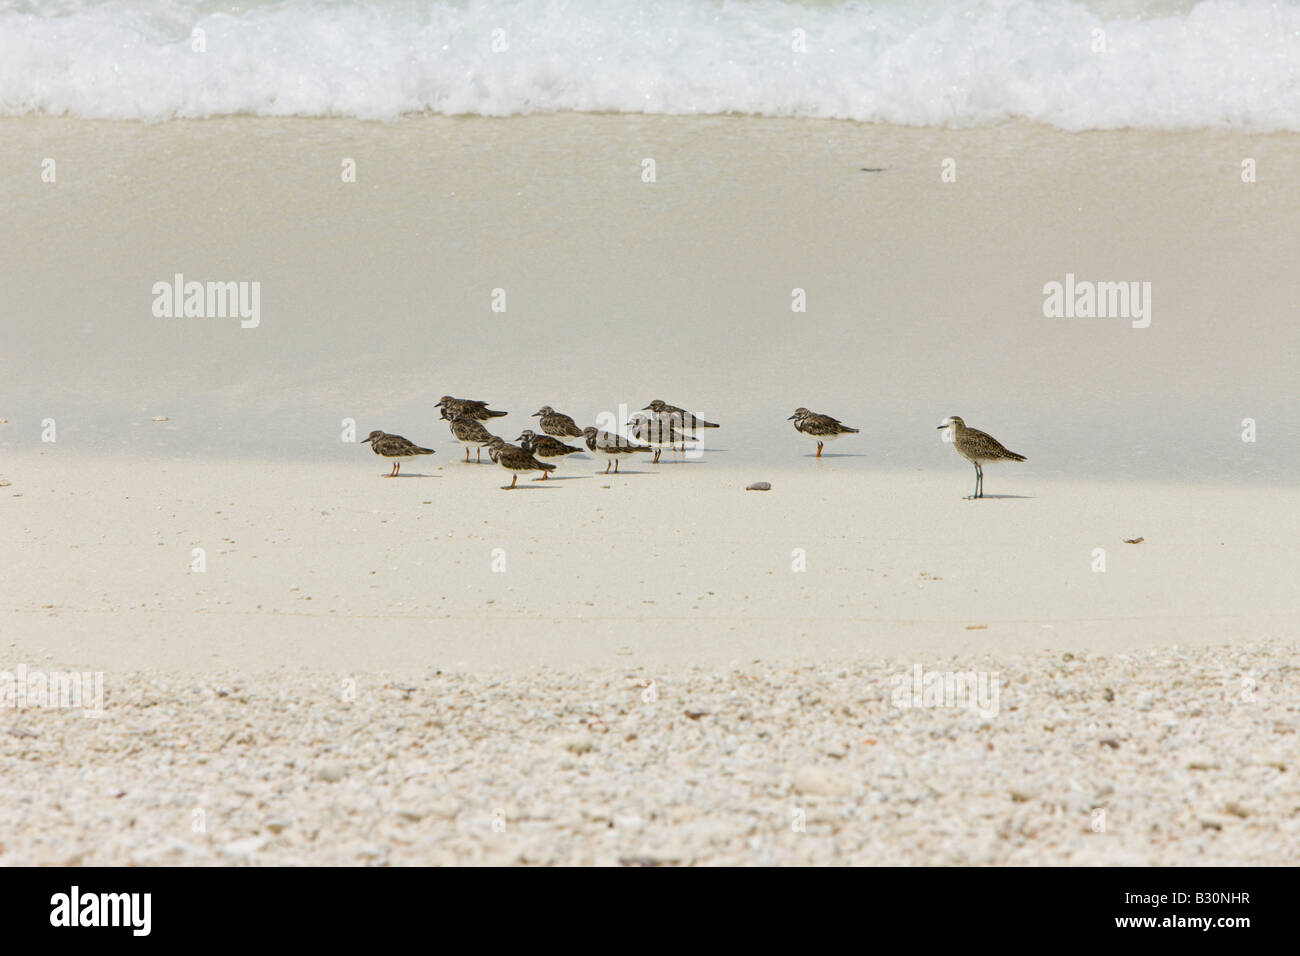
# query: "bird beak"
534,414
790,419
646,409
941,427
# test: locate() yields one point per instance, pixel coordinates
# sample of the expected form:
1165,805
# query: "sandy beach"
658,667
1172,757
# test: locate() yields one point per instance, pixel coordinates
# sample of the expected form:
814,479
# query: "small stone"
331,772
759,486
160,418
1214,821
577,743
1266,759
817,782
245,847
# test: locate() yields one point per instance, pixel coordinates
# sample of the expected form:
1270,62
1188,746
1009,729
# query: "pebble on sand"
817,782
759,486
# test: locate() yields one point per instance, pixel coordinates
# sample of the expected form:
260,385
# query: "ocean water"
1151,64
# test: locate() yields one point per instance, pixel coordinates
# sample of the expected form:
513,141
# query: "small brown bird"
517,458
820,428
610,447
679,418
657,432
468,431
557,425
396,448
467,408
976,446
544,446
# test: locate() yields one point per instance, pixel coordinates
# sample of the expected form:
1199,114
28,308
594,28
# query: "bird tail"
546,466
1014,457
848,429
492,414
700,424
424,451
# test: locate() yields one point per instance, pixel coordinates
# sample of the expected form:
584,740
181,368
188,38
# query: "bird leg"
513,479
543,478
467,454
819,449
658,452
616,466
607,464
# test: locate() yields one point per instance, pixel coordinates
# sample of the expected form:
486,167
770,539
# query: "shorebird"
468,432
656,432
517,458
679,418
610,447
467,408
396,448
556,425
544,446
977,446
820,428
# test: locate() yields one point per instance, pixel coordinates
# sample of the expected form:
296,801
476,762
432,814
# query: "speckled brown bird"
516,459
976,446
820,428
544,446
395,448
469,431
467,408
611,447
656,432
679,418
556,425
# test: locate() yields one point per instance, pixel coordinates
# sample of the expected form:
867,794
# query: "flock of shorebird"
667,426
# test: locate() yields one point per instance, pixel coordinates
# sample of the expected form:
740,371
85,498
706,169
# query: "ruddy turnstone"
679,418
820,428
495,445
517,458
657,432
396,448
467,408
610,447
556,425
544,446
469,431
977,446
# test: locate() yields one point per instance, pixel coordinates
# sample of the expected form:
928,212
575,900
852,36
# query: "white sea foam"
1165,65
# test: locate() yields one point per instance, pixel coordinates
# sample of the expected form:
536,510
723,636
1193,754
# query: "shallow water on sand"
924,298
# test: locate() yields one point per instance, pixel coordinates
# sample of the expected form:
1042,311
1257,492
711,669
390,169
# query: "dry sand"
349,681
1152,758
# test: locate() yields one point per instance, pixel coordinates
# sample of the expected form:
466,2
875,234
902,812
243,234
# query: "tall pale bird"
976,446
